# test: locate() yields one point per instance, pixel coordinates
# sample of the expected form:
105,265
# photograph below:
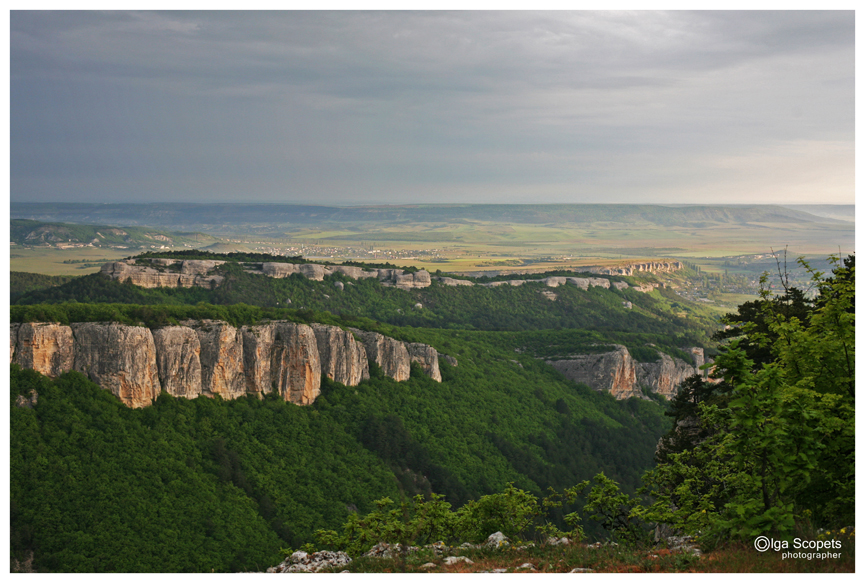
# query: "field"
50,260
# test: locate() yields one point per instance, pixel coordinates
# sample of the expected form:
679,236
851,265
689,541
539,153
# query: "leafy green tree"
781,451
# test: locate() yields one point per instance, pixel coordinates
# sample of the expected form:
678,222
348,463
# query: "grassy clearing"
49,261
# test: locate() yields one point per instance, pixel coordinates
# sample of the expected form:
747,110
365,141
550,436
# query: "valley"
280,391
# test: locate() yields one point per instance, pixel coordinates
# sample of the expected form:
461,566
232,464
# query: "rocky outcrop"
211,357
295,364
178,360
221,359
581,282
427,357
45,347
613,372
698,355
451,282
664,376
343,359
258,344
417,280
121,359
617,373
301,562
648,267
154,272
164,273
448,359
390,355
13,341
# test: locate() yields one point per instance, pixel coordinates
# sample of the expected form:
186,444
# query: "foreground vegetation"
732,558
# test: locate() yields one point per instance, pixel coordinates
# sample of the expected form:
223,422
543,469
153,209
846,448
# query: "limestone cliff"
648,266
45,347
427,357
164,273
663,376
121,359
13,341
221,359
343,359
258,342
295,364
555,281
613,372
178,360
389,354
151,272
211,357
617,373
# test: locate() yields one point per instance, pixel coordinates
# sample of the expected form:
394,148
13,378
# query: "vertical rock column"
13,341
257,353
178,360
221,359
343,359
121,359
45,347
295,367
427,356
389,354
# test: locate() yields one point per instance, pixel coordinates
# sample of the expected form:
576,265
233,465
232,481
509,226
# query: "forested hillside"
661,318
268,473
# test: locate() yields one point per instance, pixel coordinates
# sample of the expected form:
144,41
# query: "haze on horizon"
350,108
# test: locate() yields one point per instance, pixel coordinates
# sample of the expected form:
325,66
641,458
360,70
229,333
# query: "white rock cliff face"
617,373
295,364
389,354
343,359
178,360
211,357
121,359
45,347
151,273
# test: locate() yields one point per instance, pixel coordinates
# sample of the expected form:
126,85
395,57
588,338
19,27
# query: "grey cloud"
332,104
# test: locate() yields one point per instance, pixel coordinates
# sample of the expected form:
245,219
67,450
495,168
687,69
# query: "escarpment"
343,359
617,373
390,355
295,363
152,273
178,360
427,357
211,357
121,359
46,348
222,371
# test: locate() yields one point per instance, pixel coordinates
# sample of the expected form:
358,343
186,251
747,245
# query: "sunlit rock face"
664,376
390,355
47,348
295,366
211,357
119,358
343,359
221,359
617,373
164,273
178,360
427,357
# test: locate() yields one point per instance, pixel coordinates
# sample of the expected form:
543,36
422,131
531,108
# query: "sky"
349,108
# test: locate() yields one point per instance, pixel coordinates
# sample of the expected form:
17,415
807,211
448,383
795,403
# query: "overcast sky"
433,107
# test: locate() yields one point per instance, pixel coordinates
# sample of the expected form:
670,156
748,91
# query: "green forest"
211,485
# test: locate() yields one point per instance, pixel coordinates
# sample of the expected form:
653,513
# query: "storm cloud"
427,107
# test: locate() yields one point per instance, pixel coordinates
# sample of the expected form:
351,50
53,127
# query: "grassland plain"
471,237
